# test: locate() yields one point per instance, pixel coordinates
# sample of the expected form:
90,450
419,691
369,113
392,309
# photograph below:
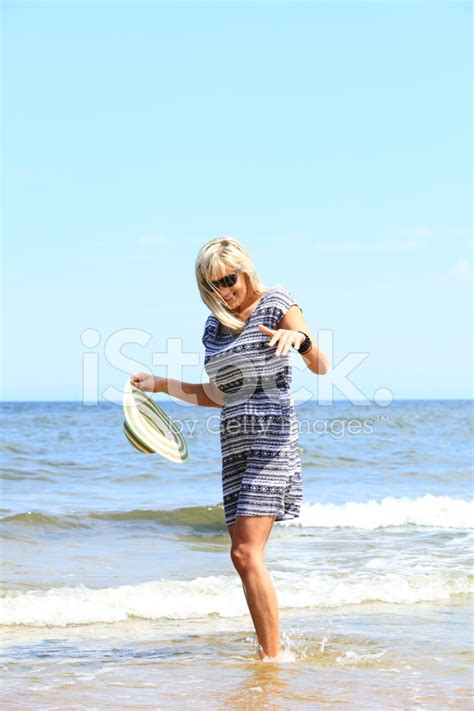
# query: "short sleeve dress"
261,466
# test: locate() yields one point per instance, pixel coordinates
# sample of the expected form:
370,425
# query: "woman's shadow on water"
263,687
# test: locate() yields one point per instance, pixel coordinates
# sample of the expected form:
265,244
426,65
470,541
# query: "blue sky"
332,139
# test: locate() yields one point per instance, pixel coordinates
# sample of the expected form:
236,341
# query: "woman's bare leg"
249,535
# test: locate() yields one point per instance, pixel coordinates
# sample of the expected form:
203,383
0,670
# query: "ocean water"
118,590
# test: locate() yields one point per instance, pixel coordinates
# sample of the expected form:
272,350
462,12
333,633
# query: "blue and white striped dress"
261,466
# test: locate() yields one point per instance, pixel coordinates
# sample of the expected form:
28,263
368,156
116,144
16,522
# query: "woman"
247,338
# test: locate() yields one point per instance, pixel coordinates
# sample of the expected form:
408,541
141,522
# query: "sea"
118,590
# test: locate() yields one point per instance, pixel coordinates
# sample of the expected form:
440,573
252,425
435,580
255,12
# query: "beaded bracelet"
306,345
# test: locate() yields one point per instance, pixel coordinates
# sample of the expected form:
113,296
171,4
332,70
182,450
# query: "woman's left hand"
284,337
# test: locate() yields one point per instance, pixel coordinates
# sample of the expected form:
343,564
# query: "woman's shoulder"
279,294
210,327
211,320
279,300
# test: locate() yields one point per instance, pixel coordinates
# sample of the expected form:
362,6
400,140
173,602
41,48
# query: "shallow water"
118,590
368,658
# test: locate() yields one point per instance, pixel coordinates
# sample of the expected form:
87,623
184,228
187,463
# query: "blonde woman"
247,338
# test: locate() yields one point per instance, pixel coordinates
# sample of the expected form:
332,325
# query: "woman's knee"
245,556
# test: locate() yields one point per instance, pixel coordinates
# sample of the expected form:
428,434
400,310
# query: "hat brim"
148,428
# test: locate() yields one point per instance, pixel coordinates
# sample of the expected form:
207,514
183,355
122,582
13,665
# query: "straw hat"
148,428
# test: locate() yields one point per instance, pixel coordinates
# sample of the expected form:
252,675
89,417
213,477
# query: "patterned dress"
261,467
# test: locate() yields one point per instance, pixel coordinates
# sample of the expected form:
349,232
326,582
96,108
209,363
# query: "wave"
200,517
219,595
428,510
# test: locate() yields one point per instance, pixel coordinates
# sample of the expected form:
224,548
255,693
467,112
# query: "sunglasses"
228,280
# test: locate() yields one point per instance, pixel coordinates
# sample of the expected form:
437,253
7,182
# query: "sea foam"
427,510
222,595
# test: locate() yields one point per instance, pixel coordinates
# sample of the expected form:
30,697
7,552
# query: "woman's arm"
292,322
204,394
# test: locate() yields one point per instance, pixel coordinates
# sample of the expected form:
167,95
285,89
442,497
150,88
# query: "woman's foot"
268,658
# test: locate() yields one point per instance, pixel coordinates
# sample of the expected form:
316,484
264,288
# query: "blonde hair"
214,257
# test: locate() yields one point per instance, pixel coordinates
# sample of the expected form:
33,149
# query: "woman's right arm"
204,394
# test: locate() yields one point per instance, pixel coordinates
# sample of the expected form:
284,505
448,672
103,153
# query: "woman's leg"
249,535
231,534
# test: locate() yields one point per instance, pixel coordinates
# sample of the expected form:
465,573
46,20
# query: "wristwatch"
306,345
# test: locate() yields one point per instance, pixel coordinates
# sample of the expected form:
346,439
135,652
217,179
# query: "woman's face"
234,296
